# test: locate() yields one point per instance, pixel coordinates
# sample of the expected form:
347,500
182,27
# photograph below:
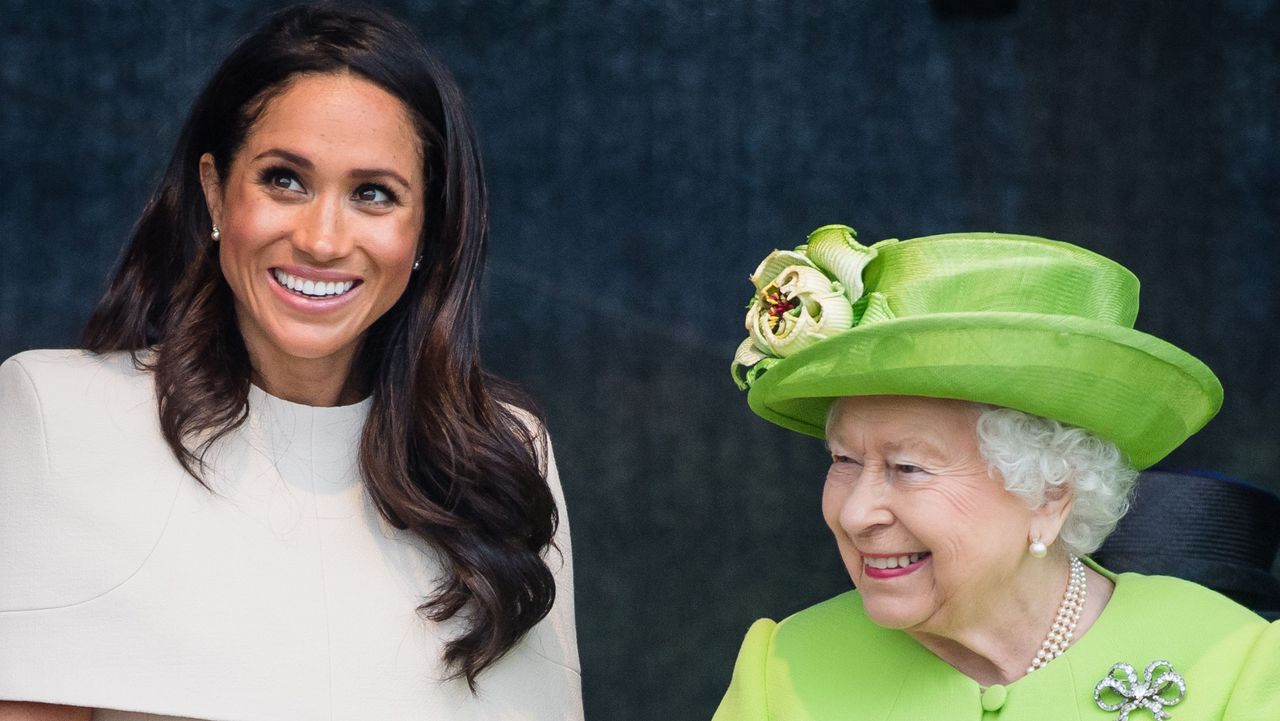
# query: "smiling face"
908,483
320,217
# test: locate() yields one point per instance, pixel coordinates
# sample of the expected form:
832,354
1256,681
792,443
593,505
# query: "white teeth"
894,561
315,289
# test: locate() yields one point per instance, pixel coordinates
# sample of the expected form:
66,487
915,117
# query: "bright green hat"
1036,325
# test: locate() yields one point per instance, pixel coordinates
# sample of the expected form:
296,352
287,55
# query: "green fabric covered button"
993,698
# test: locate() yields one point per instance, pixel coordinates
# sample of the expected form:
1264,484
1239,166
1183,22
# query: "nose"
866,508
321,233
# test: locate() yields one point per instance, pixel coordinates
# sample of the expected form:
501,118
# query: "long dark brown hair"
443,453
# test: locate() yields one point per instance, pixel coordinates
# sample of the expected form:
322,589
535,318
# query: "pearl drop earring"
215,234
1037,548
417,262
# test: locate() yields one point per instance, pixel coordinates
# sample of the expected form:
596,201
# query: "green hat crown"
970,272
1042,326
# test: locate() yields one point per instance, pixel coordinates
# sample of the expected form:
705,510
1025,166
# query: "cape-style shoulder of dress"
74,425
279,593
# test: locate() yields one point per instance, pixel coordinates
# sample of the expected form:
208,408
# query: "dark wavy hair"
444,452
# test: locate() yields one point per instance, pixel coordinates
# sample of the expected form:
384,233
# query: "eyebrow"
364,173
915,445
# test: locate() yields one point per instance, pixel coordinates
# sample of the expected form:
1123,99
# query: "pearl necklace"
1064,623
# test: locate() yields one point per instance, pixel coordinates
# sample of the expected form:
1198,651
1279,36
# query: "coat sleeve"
1256,696
747,698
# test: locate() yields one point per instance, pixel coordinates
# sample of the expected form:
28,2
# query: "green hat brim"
1141,393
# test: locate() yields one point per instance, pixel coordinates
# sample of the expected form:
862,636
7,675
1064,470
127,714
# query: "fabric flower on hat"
802,296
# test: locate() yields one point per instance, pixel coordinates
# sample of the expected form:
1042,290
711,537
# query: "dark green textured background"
643,157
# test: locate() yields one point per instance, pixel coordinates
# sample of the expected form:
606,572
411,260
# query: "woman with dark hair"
277,483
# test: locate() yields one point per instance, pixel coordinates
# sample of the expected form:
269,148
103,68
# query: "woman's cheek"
253,224
396,243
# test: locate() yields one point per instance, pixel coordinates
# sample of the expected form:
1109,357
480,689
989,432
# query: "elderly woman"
277,485
985,400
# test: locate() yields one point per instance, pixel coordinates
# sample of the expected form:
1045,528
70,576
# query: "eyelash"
268,177
392,198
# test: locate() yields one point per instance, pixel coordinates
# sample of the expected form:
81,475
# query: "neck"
309,386
309,381
998,641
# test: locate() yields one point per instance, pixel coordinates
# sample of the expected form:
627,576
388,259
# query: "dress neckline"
263,402
313,448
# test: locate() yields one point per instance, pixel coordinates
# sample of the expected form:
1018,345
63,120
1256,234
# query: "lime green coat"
831,662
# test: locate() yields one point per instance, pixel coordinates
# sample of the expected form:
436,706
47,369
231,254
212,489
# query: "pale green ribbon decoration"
805,296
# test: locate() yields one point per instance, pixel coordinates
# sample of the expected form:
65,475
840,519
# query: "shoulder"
52,378
532,427
1222,649
836,611
747,697
835,632
1256,693
527,418
841,616
838,631
62,400
86,480
1156,601
68,360
69,411
837,627
1213,634
809,659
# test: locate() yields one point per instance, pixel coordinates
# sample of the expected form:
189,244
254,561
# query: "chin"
898,608
894,612
306,344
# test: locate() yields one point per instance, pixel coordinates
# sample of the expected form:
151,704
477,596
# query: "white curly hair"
1035,455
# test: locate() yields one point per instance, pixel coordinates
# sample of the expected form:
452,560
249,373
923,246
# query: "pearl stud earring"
215,234
1037,548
